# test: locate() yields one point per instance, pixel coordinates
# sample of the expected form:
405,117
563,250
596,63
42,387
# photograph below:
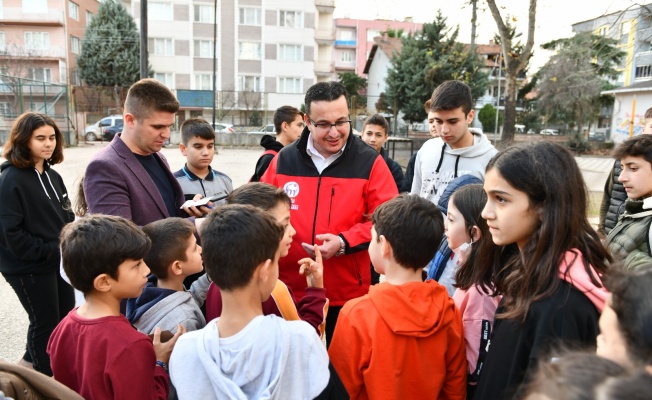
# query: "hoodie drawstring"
43,186
441,159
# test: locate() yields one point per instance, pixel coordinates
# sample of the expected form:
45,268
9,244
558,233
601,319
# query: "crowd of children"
521,298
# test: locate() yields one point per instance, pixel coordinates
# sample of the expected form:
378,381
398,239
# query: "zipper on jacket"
314,221
330,206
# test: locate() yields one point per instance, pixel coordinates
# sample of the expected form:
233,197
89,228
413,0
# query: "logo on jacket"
292,189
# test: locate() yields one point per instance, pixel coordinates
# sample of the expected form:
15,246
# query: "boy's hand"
329,248
313,270
163,350
194,211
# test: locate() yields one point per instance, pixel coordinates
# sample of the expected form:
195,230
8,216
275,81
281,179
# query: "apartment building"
268,53
354,40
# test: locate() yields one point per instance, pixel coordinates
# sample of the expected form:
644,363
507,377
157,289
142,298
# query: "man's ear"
284,126
306,120
129,119
175,268
103,283
469,117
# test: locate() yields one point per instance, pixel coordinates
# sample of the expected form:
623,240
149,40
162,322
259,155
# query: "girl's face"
611,343
457,232
508,212
42,144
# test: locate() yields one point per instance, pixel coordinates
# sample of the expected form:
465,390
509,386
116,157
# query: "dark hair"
426,105
324,91
98,244
573,376
638,146
469,201
379,120
648,113
149,95
632,302
285,114
170,239
196,127
633,386
548,174
451,95
413,226
236,239
259,194
16,150
80,207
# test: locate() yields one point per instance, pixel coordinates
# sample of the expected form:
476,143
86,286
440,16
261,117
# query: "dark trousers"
46,298
331,321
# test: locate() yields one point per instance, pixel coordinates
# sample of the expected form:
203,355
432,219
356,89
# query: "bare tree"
515,62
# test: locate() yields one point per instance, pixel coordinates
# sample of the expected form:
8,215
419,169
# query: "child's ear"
386,249
175,268
476,234
264,270
103,283
182,147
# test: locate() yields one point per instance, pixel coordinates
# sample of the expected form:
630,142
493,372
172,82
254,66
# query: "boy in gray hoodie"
165,302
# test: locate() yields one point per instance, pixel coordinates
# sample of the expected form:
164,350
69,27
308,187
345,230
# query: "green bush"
487,117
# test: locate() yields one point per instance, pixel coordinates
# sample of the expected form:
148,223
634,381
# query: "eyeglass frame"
322,125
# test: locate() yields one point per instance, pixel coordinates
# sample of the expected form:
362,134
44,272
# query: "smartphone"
204,200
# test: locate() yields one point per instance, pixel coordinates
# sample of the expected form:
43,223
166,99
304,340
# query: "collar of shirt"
194,177
320,161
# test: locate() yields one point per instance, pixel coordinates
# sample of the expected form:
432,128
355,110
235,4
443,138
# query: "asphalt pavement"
237,163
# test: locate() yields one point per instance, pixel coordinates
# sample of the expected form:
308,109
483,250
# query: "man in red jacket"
335,182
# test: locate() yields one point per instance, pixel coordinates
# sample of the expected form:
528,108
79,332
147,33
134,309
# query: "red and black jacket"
340,201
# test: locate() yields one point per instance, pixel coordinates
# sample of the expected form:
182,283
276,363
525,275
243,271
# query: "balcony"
52,52
324,68
346,43
15,15
325,6
325,36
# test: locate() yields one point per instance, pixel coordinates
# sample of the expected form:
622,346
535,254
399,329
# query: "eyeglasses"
325,126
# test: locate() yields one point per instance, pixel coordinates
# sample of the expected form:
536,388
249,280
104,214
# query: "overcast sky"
554,17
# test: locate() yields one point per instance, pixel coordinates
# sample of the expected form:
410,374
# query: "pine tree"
427,59
110,53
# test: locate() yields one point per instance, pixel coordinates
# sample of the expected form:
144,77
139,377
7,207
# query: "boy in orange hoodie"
404,339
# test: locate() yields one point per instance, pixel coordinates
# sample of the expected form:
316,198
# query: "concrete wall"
622,114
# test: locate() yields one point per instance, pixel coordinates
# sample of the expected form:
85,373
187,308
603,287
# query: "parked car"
519,128
109,132
596,137
553,132
268,129
93,132
223,128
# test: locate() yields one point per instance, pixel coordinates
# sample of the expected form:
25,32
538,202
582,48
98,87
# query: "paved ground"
239,165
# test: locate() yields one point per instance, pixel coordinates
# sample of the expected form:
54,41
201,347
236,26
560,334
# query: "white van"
93,132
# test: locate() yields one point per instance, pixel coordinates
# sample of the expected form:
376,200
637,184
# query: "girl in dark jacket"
35,206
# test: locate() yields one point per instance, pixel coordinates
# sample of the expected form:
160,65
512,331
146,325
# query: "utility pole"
143,39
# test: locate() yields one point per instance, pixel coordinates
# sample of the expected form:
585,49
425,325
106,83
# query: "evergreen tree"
427,59
110,53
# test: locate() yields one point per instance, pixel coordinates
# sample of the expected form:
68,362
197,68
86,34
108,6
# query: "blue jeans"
46,298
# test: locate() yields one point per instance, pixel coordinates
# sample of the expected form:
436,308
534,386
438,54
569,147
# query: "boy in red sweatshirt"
404,339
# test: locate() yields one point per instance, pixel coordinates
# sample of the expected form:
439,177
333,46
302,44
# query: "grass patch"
595,199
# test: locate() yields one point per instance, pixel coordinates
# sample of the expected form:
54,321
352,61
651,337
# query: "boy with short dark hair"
404,339
630,238
197,176
312,307
288,122
375,134
94,350
164,302
244,354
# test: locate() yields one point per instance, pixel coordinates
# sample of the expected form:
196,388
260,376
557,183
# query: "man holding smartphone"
130,178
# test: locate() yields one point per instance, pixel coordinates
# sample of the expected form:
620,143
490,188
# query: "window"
204,13
5,109
249,83
346,56
346,35
165,78
644,71
74,77
203,82
2,41
250,51
89,17
290,19
250,16
37,6
75,45
37,40
290,52
625,27
159,11
161,47
40,74
204,48
290,85
73,11
603,31
371,34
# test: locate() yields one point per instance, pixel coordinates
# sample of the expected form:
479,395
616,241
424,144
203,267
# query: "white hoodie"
269,359
430,184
